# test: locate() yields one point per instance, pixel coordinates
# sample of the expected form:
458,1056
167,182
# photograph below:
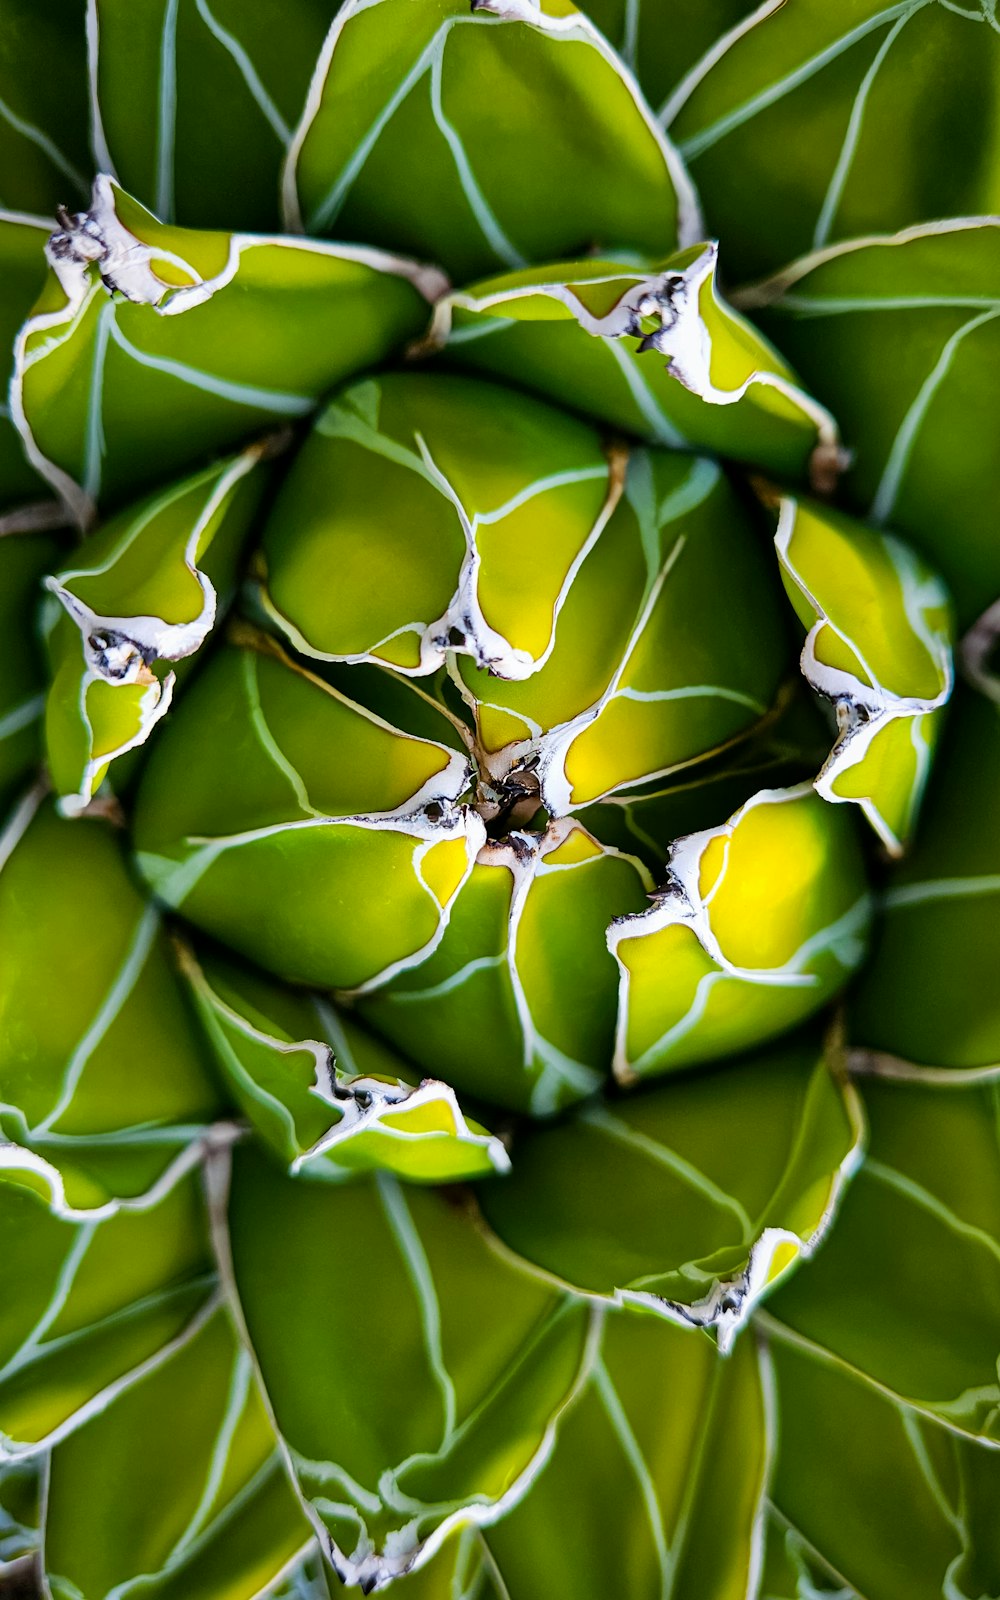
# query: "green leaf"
482,141
661,1466
153,348
327,1098
97,1300
524,963
24,560
146,588
869,1493
782,749
670,644
928,1004
426,492
724,388
792,1571
760,922
22,274
878,646
251,821
105,1077
664,40
900,337
691,1199
906,1290
195,102
44,156
183,1471
416,1376
605,618
814,123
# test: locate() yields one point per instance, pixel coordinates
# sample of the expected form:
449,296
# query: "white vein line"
414,1256
655,418
916,894
276,400
630,32
218,1525
94,437
918,1445
625,1134
125,981
31,1344
637,1461
555,480
236,1399
448,985
692,691
167,114
98,137
266,738
477,202
27,130
681,94
898,460
330,206
838,305
22,716
248,71
33,1354
930,1202
845,160
698,143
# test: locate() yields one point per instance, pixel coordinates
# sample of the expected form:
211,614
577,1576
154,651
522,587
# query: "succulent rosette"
500,998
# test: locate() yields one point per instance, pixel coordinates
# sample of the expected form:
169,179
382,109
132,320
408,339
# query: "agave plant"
500,1001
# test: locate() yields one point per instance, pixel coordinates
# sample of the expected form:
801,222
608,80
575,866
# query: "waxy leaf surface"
883,112
899,335
486,140
195,341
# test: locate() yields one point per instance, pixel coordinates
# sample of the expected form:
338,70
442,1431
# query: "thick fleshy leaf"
878,647
906,1290
44,158
24,561
782,749
146,588
415,1374
813,122
89,1304
691,1199
523,964
759,923
328,1098
483,141
670,644
105,1076
723,389
195,101
872,1500
252,821
900,337
177,1488
928,1004
153,347
664,40
22,274
656,1483
425,494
